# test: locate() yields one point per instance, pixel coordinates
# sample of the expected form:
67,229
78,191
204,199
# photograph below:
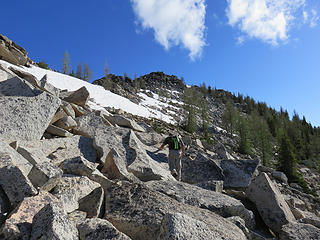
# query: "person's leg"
171,160
178,165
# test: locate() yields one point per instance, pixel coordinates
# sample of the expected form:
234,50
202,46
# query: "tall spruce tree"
243,130
79,71
66,63
87,74
229,118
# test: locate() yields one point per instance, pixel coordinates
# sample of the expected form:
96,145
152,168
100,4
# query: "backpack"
174,143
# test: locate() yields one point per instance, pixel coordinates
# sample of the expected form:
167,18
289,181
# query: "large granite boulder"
138,211
26,118
124,122
79,193
99,229
271,205
79,97
299,231
57,150
180,226
14,181
144,166
51,222
12,85
219,203
78,166
238,173
12,52
19,223
200,169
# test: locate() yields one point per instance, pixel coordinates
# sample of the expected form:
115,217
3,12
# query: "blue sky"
267,49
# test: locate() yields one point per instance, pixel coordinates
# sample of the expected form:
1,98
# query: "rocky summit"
70,171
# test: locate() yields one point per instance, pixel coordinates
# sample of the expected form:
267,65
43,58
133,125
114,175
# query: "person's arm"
162,146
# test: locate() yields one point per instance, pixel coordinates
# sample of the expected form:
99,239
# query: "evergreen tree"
72,73
43,65
66,63
286,157
243,130
191,126
229,118
205,118
87,74
79,71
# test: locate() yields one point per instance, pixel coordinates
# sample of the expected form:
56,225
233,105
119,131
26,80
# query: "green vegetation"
43,65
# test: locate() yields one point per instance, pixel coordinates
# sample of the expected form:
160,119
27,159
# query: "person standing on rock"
176,151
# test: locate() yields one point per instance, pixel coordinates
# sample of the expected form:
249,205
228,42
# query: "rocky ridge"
93,174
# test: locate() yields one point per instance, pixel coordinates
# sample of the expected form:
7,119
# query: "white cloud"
240,40
268,20
305,17
314,18
175,22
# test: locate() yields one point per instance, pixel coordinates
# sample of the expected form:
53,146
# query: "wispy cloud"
314,18
175,22
268,20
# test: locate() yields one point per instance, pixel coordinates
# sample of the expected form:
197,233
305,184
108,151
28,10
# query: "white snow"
99,97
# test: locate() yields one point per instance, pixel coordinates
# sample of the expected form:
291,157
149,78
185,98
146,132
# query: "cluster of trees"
83,71
261,131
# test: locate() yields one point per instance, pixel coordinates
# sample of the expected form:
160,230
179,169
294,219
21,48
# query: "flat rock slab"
271,205
219,203
14,181
19,223
57,150
124,122
200,169
26,118
52,223
238,173
180,226
299,231
138,211
99,229
79,193
79,97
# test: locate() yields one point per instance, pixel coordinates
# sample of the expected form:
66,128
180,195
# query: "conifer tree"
286,157
87,74
243,129
229,118
66,63
79,71
191,126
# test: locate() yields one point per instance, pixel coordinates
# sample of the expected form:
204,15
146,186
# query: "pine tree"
66,63
243,130
79,71
191,126
87,74
229,118
72,73
286,158
205,118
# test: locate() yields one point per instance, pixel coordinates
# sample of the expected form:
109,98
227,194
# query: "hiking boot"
174,173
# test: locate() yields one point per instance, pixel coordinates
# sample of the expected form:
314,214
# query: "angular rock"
52,223
99,229
14,157
77,217
270,203
150,138
241,224
19,223
138,211
45,175
26,118
219,203
238,173
280,176
79,193
200,169
88,124
46,86
221,150
14,181
309,218
98,177
79,97
198,143
58,149
143,166
180,226
4,206
78,166
12,85
124,122
79,111
216,186
66,123
57,131
59,115
299,231
67,107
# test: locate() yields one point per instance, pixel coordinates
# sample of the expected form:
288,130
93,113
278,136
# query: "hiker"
176,151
